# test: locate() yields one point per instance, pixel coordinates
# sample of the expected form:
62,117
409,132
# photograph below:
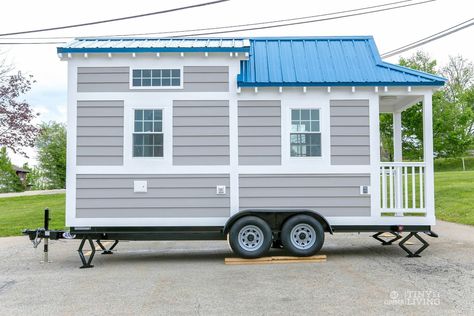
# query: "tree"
9,181
16,116
453,112
51,148
460,74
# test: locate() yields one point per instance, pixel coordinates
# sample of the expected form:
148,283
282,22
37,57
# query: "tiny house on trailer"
267,140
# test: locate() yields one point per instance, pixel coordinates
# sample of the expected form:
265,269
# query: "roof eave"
338,84
65,50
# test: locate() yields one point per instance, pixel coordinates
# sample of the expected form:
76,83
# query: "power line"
225,27
115,19
238,25
428,39
306,22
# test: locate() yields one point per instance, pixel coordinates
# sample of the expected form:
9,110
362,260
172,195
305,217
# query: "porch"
407,187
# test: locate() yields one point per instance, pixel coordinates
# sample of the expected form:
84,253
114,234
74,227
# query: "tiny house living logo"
413,298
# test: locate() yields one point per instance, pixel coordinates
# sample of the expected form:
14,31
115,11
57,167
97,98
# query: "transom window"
156,78
305,136
148,133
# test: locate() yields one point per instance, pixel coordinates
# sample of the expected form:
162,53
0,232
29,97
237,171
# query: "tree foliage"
9,181
16,116
51,148
453,112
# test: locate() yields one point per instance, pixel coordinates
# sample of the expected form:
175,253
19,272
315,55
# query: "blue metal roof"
147,45
281,61
324,61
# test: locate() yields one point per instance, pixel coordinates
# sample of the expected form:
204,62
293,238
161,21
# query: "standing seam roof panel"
261,73
312,62
286,62
273,56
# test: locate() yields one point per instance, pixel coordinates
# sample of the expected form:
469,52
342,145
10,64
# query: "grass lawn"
18,213
454,194
454,203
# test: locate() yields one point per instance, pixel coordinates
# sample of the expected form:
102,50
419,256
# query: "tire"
302,235
250,237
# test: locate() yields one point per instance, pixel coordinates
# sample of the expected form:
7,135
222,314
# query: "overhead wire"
114,19
222,27
306,22
428,39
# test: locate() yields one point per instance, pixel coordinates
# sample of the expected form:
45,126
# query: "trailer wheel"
250,237
302,235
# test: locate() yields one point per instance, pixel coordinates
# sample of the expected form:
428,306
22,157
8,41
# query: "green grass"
454,203
18,213
454,196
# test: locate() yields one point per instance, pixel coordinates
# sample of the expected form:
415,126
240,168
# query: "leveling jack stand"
425,245
387,242
105,250
46,237
86,263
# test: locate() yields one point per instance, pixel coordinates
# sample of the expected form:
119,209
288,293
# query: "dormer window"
156,78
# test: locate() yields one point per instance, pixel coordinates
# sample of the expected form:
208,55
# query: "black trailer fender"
276,217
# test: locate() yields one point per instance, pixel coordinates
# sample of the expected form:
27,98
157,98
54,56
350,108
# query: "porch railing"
402,187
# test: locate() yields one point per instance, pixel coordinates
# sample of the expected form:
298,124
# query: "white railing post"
384,187
428,157
398,157
397,137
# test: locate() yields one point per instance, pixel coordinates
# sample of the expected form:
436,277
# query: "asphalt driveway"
359,277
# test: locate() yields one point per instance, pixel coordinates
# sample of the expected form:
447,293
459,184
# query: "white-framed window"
148,133
305,135
156,78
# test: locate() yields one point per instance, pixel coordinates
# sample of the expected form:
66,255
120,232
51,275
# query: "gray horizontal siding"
350,132
100,133
117,79
201,132
112,196
259,132
329,194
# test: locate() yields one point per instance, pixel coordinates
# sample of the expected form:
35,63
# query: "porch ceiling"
397,103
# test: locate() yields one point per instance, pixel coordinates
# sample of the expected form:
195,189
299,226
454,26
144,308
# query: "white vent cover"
140,186
220,189
365,189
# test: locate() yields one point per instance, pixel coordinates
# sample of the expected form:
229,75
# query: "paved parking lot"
359,277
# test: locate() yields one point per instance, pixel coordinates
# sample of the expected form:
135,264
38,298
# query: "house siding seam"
328,194
100,127
117,79
259,124
170,195
201,132
350,132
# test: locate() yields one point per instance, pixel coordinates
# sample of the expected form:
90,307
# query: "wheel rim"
303,236
250,238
